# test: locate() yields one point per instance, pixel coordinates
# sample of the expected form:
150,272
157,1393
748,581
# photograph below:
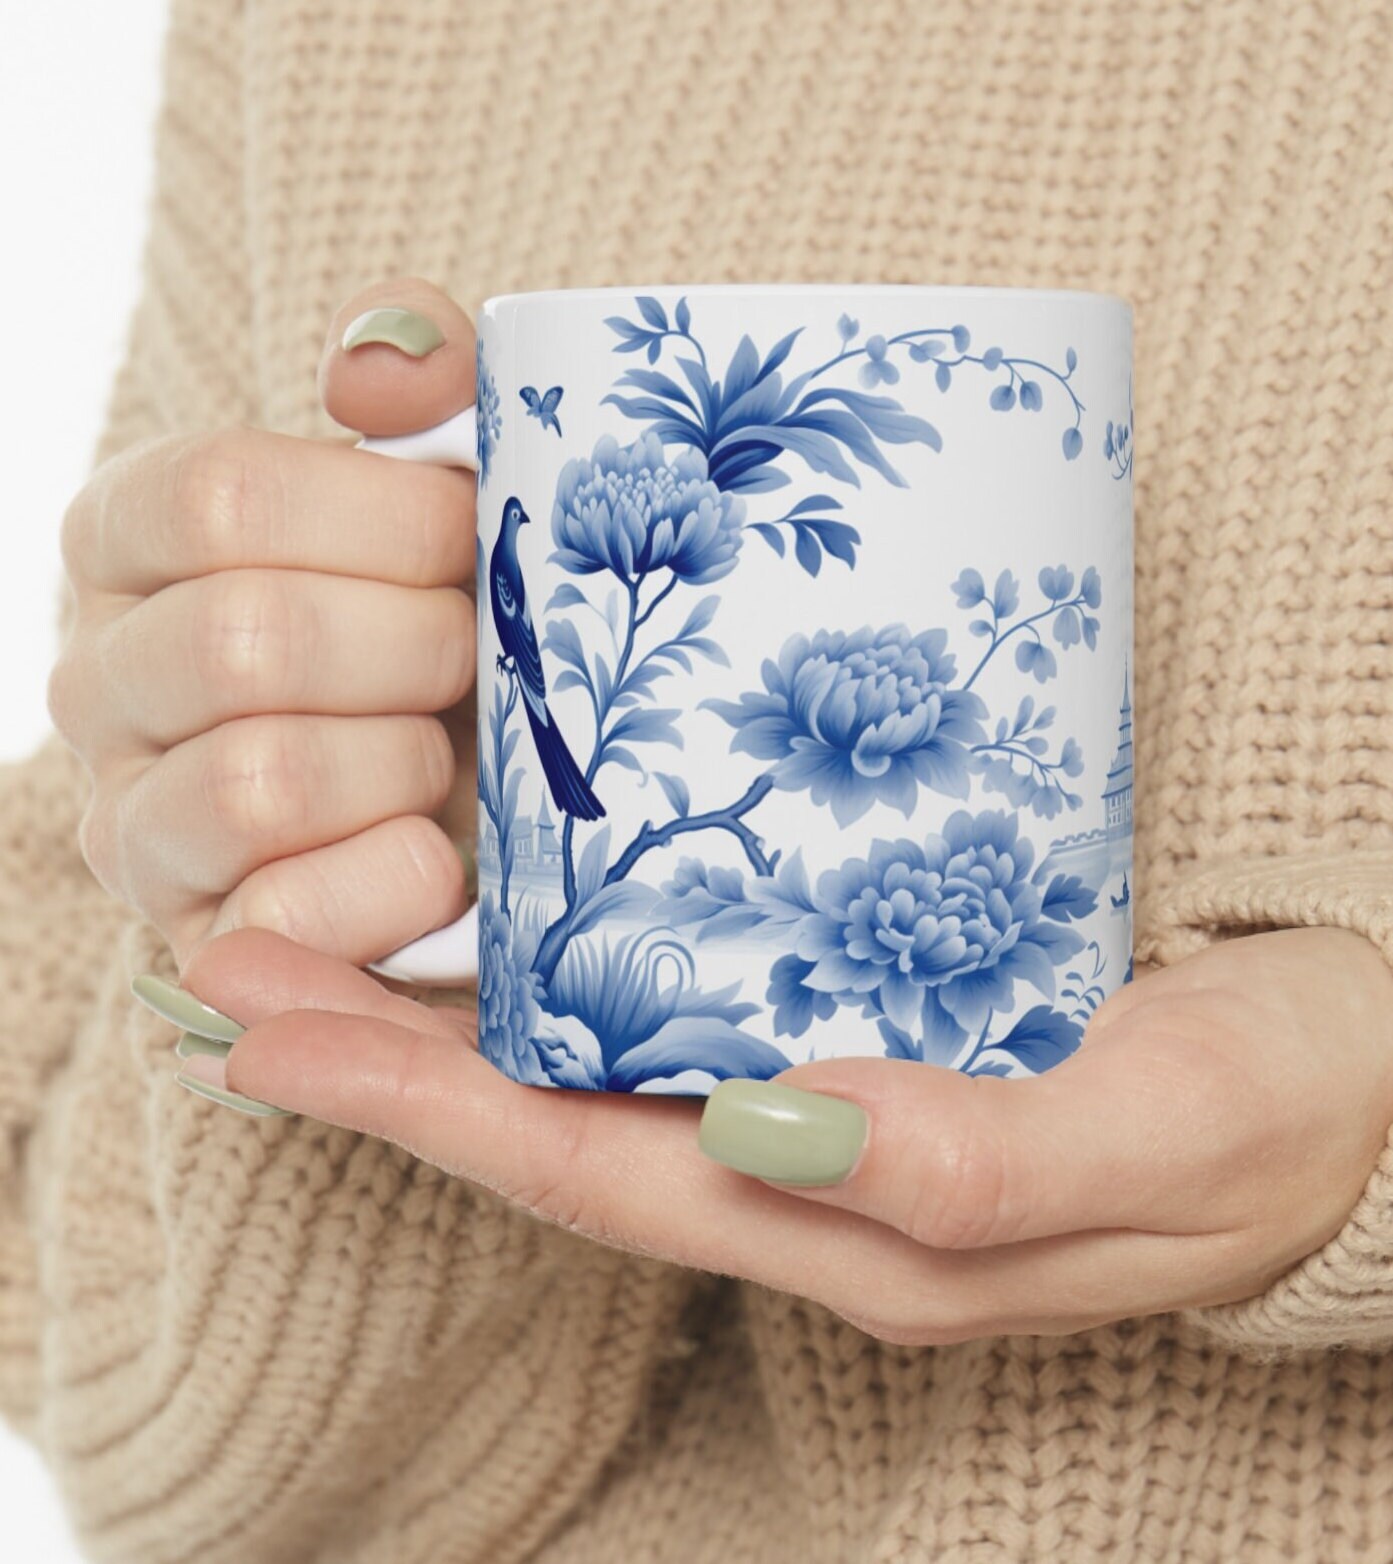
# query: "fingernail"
179,1006
781,1132
189,1045
410,333
206,1076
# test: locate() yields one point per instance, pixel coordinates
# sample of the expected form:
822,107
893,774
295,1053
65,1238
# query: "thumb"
399,357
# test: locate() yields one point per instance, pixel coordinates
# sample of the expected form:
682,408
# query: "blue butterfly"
543,407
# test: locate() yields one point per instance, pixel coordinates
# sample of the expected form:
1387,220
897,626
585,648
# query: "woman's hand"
265,627
1218,1124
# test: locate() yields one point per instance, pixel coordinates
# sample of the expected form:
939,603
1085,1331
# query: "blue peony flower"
488,413
859,719
877,370
935,936
629,510
508,994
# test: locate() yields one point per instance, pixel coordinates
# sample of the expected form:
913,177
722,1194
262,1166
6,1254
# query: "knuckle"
222,495
435,759
431,859
267,900
458,652
259,781
98,839
243,637
962,1199
66,694
76,530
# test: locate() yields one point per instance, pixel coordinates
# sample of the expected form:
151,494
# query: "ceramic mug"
805,616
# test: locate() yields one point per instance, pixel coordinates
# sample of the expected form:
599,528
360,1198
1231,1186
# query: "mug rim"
974,291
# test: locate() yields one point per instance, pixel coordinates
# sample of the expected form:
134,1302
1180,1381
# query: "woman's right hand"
266,629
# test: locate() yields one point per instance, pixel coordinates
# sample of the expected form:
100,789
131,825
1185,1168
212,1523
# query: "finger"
1133,1131
245,498
625,1170
254,974
356,899
218,806
246,642
378,388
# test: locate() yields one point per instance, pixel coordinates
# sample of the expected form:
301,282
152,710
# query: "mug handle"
446,957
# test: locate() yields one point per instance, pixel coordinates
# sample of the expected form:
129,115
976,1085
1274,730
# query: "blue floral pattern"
861,719
488,413
933,938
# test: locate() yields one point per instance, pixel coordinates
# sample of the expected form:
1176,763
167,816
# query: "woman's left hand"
1218,1124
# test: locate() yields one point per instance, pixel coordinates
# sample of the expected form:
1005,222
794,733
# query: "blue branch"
1028,623
649,836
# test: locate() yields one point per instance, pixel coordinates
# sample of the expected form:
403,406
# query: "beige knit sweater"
275,1341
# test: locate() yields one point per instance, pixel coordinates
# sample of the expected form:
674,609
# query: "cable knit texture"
253,1342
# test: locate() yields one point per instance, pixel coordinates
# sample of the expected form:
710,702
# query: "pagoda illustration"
1106,850
1117,795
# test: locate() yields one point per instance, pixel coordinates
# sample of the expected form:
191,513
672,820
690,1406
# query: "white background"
79,87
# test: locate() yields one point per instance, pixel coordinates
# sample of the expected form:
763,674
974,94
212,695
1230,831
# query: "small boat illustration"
1126,896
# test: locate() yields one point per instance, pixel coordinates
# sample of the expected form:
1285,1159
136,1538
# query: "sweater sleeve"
1343,1294
239,1339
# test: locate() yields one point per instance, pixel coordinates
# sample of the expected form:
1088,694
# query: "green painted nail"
410,333
226,1099
179,1006
189,1045
781,1132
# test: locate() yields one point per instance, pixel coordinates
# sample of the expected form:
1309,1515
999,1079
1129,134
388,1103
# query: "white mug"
805,620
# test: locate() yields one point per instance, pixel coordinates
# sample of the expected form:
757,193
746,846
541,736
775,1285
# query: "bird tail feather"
570,792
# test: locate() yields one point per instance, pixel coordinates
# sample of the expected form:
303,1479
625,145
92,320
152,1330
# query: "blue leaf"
1006,595
805,546
837,537
1072,443
1042,1038
647,727
795,1004
1003,399
1071,361
1035,657
623,899
1090,631
625,328
980,627
969,589
652,311
926,349
962,338
683,315
1057,583
771,535
655,348
814,502
989,1066
943,377
658,384
898,1043
677,792
696,1043
562,640
882,415
617,754
700,616
565,596
847,328
777,354
1032,398
1091,588
991,360
590,872
1067,897
1067,630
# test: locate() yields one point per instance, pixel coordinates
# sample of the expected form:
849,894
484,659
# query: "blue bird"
543,407
570,791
